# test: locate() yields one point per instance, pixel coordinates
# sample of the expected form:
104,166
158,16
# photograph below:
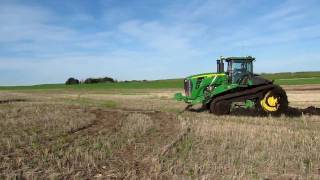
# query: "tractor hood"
196,85
205,75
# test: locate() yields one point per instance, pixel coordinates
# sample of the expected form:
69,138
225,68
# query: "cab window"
239,69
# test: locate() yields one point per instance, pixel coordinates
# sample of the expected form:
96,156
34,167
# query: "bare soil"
11,100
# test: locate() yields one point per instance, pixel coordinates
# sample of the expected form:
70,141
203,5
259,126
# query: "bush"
108,79
72,81
99,80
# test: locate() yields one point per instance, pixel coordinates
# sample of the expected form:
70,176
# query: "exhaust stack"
220,66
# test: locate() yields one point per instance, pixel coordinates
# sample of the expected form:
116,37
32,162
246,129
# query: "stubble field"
143,134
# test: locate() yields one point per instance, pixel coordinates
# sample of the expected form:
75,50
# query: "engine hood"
205,75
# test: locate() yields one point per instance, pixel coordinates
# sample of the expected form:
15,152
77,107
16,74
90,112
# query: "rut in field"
291,112
12,101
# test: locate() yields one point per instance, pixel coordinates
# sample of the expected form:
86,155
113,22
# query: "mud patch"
72,131
291,112
12,101
307,111
305,89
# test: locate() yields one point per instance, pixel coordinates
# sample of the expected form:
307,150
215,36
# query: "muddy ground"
144,134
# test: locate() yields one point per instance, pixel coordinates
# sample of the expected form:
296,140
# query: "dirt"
306,89
12,101
291,112
311,110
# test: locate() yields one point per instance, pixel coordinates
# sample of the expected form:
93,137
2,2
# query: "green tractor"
238,86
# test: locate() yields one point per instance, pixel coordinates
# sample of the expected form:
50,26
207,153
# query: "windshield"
239,69
242,66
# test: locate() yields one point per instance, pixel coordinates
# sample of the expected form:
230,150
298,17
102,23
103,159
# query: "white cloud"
156,35
47,46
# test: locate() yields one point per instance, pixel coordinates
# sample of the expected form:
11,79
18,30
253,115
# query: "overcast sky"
47,41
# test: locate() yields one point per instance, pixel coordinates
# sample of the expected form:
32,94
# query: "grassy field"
280,78
298,81
298,78
160,84
288,75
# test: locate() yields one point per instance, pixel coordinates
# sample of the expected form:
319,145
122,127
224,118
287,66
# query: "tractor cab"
239,70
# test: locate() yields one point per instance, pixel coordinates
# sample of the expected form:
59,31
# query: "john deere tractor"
238,86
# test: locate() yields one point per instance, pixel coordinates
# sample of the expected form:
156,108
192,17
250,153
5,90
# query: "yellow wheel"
275,101
270,103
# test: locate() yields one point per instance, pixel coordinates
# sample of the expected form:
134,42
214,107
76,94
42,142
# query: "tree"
99,80
72,81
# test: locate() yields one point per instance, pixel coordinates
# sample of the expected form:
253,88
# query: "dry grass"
252,148
137,123
28,130
65,136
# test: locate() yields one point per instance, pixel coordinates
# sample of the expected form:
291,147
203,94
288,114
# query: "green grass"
298,78
159,84
289,75
298,81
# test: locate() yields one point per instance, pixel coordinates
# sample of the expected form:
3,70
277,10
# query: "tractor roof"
247,58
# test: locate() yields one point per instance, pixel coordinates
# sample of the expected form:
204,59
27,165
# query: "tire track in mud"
141,160
311,110
290,112
108,120
12,101
129,158
101,121
134,157
104,119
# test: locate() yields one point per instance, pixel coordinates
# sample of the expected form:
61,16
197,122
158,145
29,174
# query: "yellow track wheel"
270,103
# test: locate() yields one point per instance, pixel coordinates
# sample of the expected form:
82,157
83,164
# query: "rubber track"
244,94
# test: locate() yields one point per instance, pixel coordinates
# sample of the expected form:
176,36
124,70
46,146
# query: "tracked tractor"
235,87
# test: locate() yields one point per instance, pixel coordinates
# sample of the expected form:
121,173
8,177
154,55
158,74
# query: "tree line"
73,80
